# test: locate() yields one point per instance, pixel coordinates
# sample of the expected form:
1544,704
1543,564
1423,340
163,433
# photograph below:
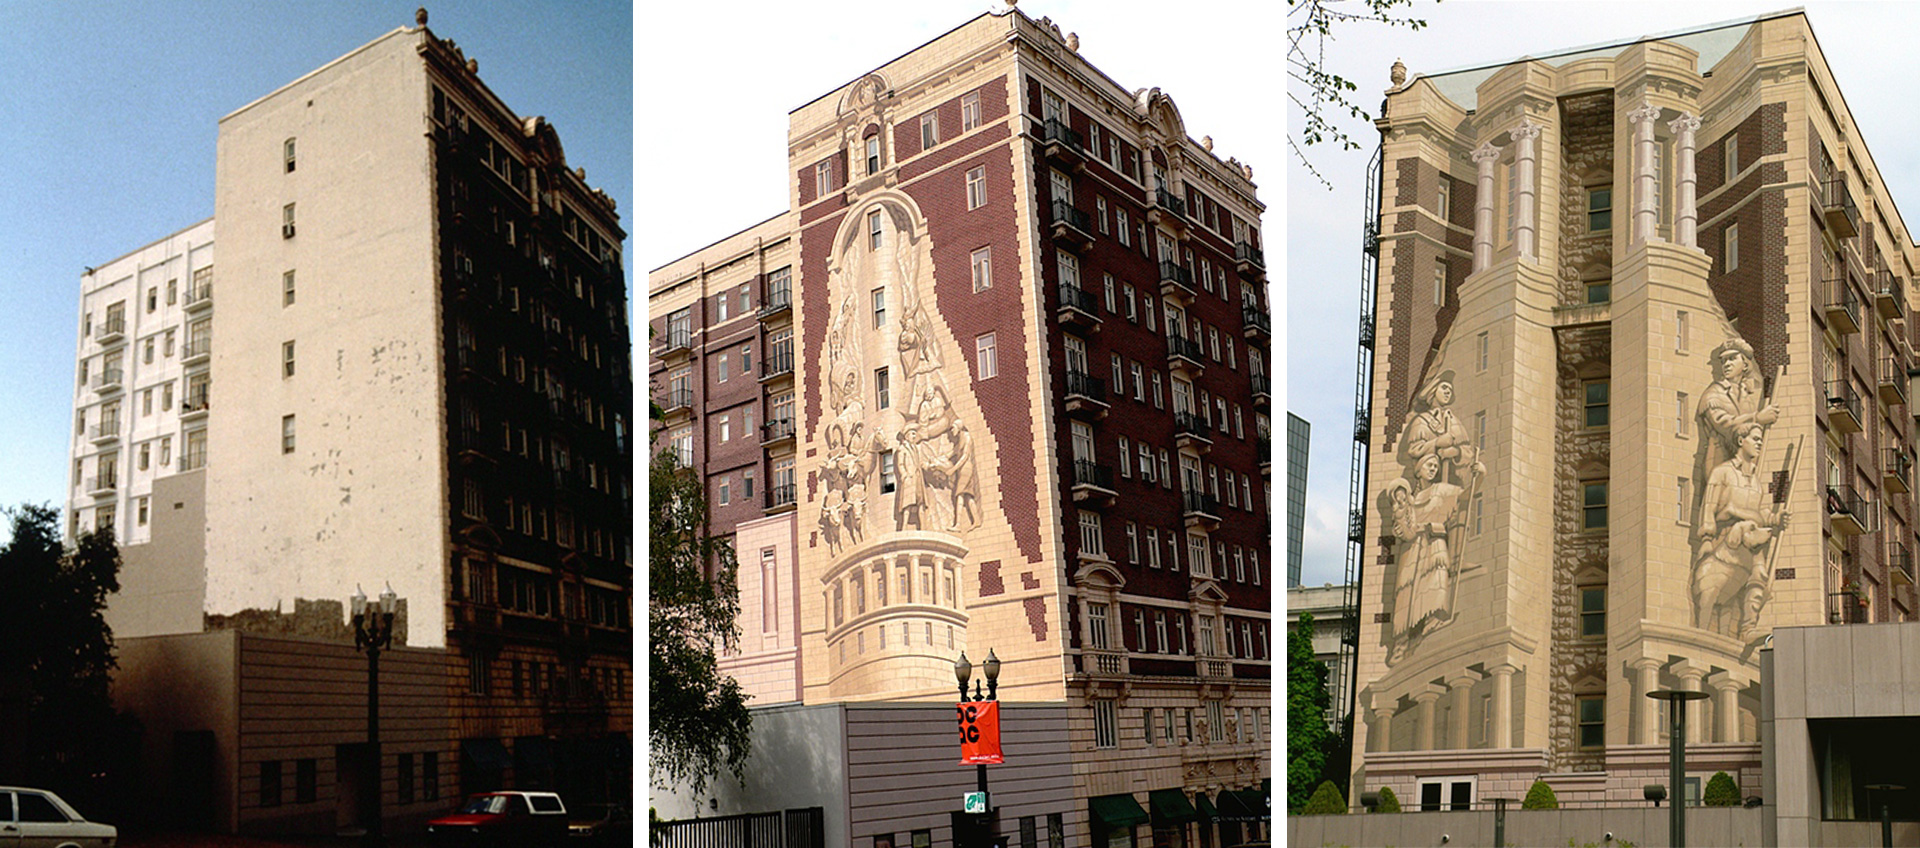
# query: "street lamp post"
1677,747
962,670
1880,791
373,633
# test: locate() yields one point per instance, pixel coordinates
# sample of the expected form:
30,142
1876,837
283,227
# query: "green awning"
1111,811
1244,805
1205,805
1170,806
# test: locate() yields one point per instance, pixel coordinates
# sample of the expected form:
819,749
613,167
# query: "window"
286,359
1599,289
1593,611
879,308
720,303
983,269
989,363
1166,477
1593,721
286,288
1680,334
1107,288
287,152
977,187
1160,631
146,452
286,434
477,669
887,481
1730,241
1069,266
269,784
1597,403
153,299
1106,731
1119,376
1139,382
823,178
1599,209
929,130
726,428
746,362
173,292
873,155
1122,228
1479,513
722,371
305,779
141,508
1733,157
746,483
1682,505
1097,626
873,230
969,111
1439,282
404,769
1216,722
1595,501
1443,201
1146,467
1133,538
1100,215
1126,458
1092,540
1680,417
1446,793
286,221
881,389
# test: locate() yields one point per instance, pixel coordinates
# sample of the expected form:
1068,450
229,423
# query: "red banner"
980,733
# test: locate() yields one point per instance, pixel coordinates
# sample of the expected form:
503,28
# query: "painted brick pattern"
1037,617
990,582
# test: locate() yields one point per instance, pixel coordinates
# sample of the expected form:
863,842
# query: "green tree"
1721,791
1307,702
699,720
1322,94
1326,801
1540,797
1389,802
55,672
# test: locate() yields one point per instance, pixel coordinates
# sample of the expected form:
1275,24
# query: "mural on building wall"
1426,514
1739,508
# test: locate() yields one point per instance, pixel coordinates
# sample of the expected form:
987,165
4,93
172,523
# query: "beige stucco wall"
361,500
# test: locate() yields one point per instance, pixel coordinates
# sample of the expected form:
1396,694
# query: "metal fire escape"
1349,659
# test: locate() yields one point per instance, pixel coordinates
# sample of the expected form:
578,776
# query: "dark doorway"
190,780
356,778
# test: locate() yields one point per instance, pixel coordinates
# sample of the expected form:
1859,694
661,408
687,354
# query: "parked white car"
39,818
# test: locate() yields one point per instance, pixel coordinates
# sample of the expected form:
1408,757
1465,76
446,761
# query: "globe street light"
1677,747
373,633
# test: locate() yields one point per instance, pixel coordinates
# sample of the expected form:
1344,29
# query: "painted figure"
1424,514
1731,574
1732,399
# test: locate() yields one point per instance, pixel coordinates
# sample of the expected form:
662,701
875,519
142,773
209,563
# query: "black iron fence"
798,828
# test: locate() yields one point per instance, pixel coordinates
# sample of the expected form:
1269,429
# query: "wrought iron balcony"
105,431
1262,390
1843,308
1062,142
1071,225
1249,257
103,483
778,300
679,341
1184,353
1175,280
1893,381
1078,307
1896,471
779,363
110,331
197,350
1899,564
1191,425
1849,513
776,430
194,404
108,380
780,497
1092,482
1200,509
1167,200
199,297
677,400
1256,323
1086,394
1843,407
1842,216
1890,296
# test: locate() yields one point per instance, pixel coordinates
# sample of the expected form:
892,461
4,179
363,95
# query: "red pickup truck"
504,818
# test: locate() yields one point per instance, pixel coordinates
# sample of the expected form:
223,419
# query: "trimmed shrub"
1326,801
1389,803
1540,797
1721,791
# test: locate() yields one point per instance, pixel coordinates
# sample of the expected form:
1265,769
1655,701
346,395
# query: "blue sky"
112,112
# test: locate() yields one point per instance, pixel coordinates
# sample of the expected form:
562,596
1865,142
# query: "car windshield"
484,804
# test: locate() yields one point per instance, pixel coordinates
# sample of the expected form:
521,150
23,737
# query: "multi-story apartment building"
1639,398
1299,435
424,350
996,383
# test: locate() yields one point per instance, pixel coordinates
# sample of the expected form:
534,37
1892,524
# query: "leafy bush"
1389,803
1721,791
1326,801
1540,797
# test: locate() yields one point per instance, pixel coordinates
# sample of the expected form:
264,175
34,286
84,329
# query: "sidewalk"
209,840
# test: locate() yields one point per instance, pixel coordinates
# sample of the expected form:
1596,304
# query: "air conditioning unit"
286,231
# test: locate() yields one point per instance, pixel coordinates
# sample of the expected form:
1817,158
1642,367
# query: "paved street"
201,840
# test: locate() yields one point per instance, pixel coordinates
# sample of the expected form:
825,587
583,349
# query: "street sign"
980,733
974,802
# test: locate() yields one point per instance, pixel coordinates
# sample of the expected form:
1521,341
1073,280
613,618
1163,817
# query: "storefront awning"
1244,805
1208,812
1170,806
486,753
1111,811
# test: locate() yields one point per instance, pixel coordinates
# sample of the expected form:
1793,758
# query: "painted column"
1686,216
1646,711
1380,735
1426,698
1690,676
1483,160
1502,705
1525,150
1726,708
1460,687
1645,213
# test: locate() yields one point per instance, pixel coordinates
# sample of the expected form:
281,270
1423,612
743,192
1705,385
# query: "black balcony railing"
1087,473
194,402
1183,347
777,363
1066,213
1056,131
1891,294
1843,406
1245,252
1900,558
1897,469
777,429
1842,214
678,338
1086,385
110,329
1843,307
1075,297
198,295
1260,384
1190,424
1200,503
1848,510
1169,201
778,299
1893,380
1171,271
1256,319
779,496
678,399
